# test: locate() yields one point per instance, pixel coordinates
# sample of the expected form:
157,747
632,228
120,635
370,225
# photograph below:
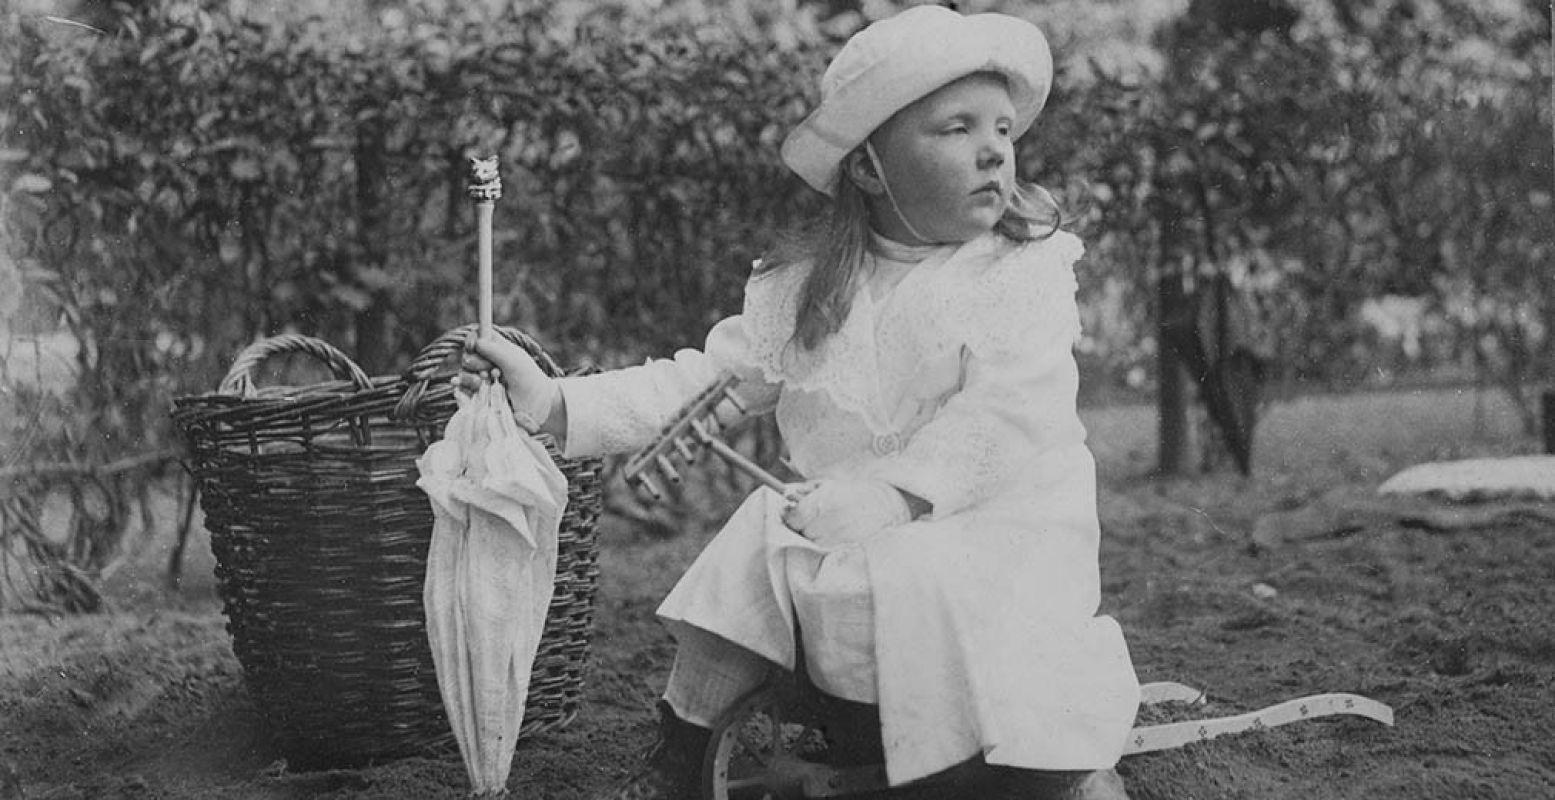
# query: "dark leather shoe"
852,732
672,770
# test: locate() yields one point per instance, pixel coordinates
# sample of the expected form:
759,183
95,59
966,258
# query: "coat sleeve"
621,410
1015,411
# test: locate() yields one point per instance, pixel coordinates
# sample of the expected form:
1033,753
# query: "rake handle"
740,462
689,427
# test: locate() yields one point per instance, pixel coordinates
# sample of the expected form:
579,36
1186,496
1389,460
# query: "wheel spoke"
780,745
766,745
754,791
752,750
774,712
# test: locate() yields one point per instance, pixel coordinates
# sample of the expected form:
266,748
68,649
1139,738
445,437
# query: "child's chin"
965,225
977,224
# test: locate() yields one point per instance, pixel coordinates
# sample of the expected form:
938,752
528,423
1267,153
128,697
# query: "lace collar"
847,364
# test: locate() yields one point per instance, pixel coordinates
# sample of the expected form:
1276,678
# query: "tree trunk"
1547,404
1177,434
1174,395
374,345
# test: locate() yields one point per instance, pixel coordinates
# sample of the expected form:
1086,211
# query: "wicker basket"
321,535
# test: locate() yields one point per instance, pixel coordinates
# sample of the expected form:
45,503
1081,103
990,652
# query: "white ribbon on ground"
1171,735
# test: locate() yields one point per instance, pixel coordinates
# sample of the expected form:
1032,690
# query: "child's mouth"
991,187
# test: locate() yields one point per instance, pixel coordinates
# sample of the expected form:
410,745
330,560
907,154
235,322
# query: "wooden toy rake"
694,428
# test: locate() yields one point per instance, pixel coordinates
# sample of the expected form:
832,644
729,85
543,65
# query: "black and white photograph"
777,399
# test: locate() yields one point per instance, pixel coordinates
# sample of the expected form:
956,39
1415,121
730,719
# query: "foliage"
201,178
291,180
1356,152
1462,189
305,172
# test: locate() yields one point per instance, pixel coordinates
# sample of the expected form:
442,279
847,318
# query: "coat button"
887,443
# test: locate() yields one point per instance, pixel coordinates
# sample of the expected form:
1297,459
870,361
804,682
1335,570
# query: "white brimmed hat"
894,62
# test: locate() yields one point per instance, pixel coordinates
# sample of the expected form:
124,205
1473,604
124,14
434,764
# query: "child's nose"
992,155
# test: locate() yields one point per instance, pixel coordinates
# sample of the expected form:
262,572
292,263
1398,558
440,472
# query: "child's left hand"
842,510
532,394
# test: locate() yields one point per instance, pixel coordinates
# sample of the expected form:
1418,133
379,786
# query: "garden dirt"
1297,581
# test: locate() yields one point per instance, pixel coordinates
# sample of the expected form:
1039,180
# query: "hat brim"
932,51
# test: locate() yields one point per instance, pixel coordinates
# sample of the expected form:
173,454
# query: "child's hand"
531,393
831,512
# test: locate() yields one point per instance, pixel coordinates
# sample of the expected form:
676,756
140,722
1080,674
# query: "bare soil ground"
1296,581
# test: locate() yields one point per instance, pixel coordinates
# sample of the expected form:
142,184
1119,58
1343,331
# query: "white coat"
952,378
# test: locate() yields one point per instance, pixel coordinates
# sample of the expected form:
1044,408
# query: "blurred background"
1282,200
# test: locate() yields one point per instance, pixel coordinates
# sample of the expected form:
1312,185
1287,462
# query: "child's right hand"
841,510
532,394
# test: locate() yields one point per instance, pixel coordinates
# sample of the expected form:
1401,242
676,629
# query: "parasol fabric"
497,500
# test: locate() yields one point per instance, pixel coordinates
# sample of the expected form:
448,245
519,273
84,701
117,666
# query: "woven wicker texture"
320,536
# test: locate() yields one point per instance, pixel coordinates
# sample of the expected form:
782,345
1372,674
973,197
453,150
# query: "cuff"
583,402
932,484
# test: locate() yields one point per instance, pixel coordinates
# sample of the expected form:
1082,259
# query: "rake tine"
646,484
667,469
695,427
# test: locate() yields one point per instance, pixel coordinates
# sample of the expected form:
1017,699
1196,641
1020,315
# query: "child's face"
950,161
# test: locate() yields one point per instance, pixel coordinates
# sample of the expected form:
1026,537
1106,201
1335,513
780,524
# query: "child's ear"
861,170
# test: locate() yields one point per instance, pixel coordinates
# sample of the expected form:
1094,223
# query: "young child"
916,347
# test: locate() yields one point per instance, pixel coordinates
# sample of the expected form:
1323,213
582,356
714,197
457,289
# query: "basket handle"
438,361
240,378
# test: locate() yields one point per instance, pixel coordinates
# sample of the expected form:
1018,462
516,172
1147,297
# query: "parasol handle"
485,187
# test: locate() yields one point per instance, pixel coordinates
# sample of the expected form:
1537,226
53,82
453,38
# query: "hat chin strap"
874,159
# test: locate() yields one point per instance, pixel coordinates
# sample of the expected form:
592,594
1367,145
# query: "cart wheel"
757,749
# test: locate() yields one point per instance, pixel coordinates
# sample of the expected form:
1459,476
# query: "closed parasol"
497,500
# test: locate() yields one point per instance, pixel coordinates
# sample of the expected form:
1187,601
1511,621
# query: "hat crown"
907,32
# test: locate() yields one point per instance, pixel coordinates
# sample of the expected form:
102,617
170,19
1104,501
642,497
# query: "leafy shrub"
284,181
298,174
200,179
203,175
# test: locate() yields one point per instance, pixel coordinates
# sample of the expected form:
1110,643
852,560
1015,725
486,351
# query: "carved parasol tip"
485,180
